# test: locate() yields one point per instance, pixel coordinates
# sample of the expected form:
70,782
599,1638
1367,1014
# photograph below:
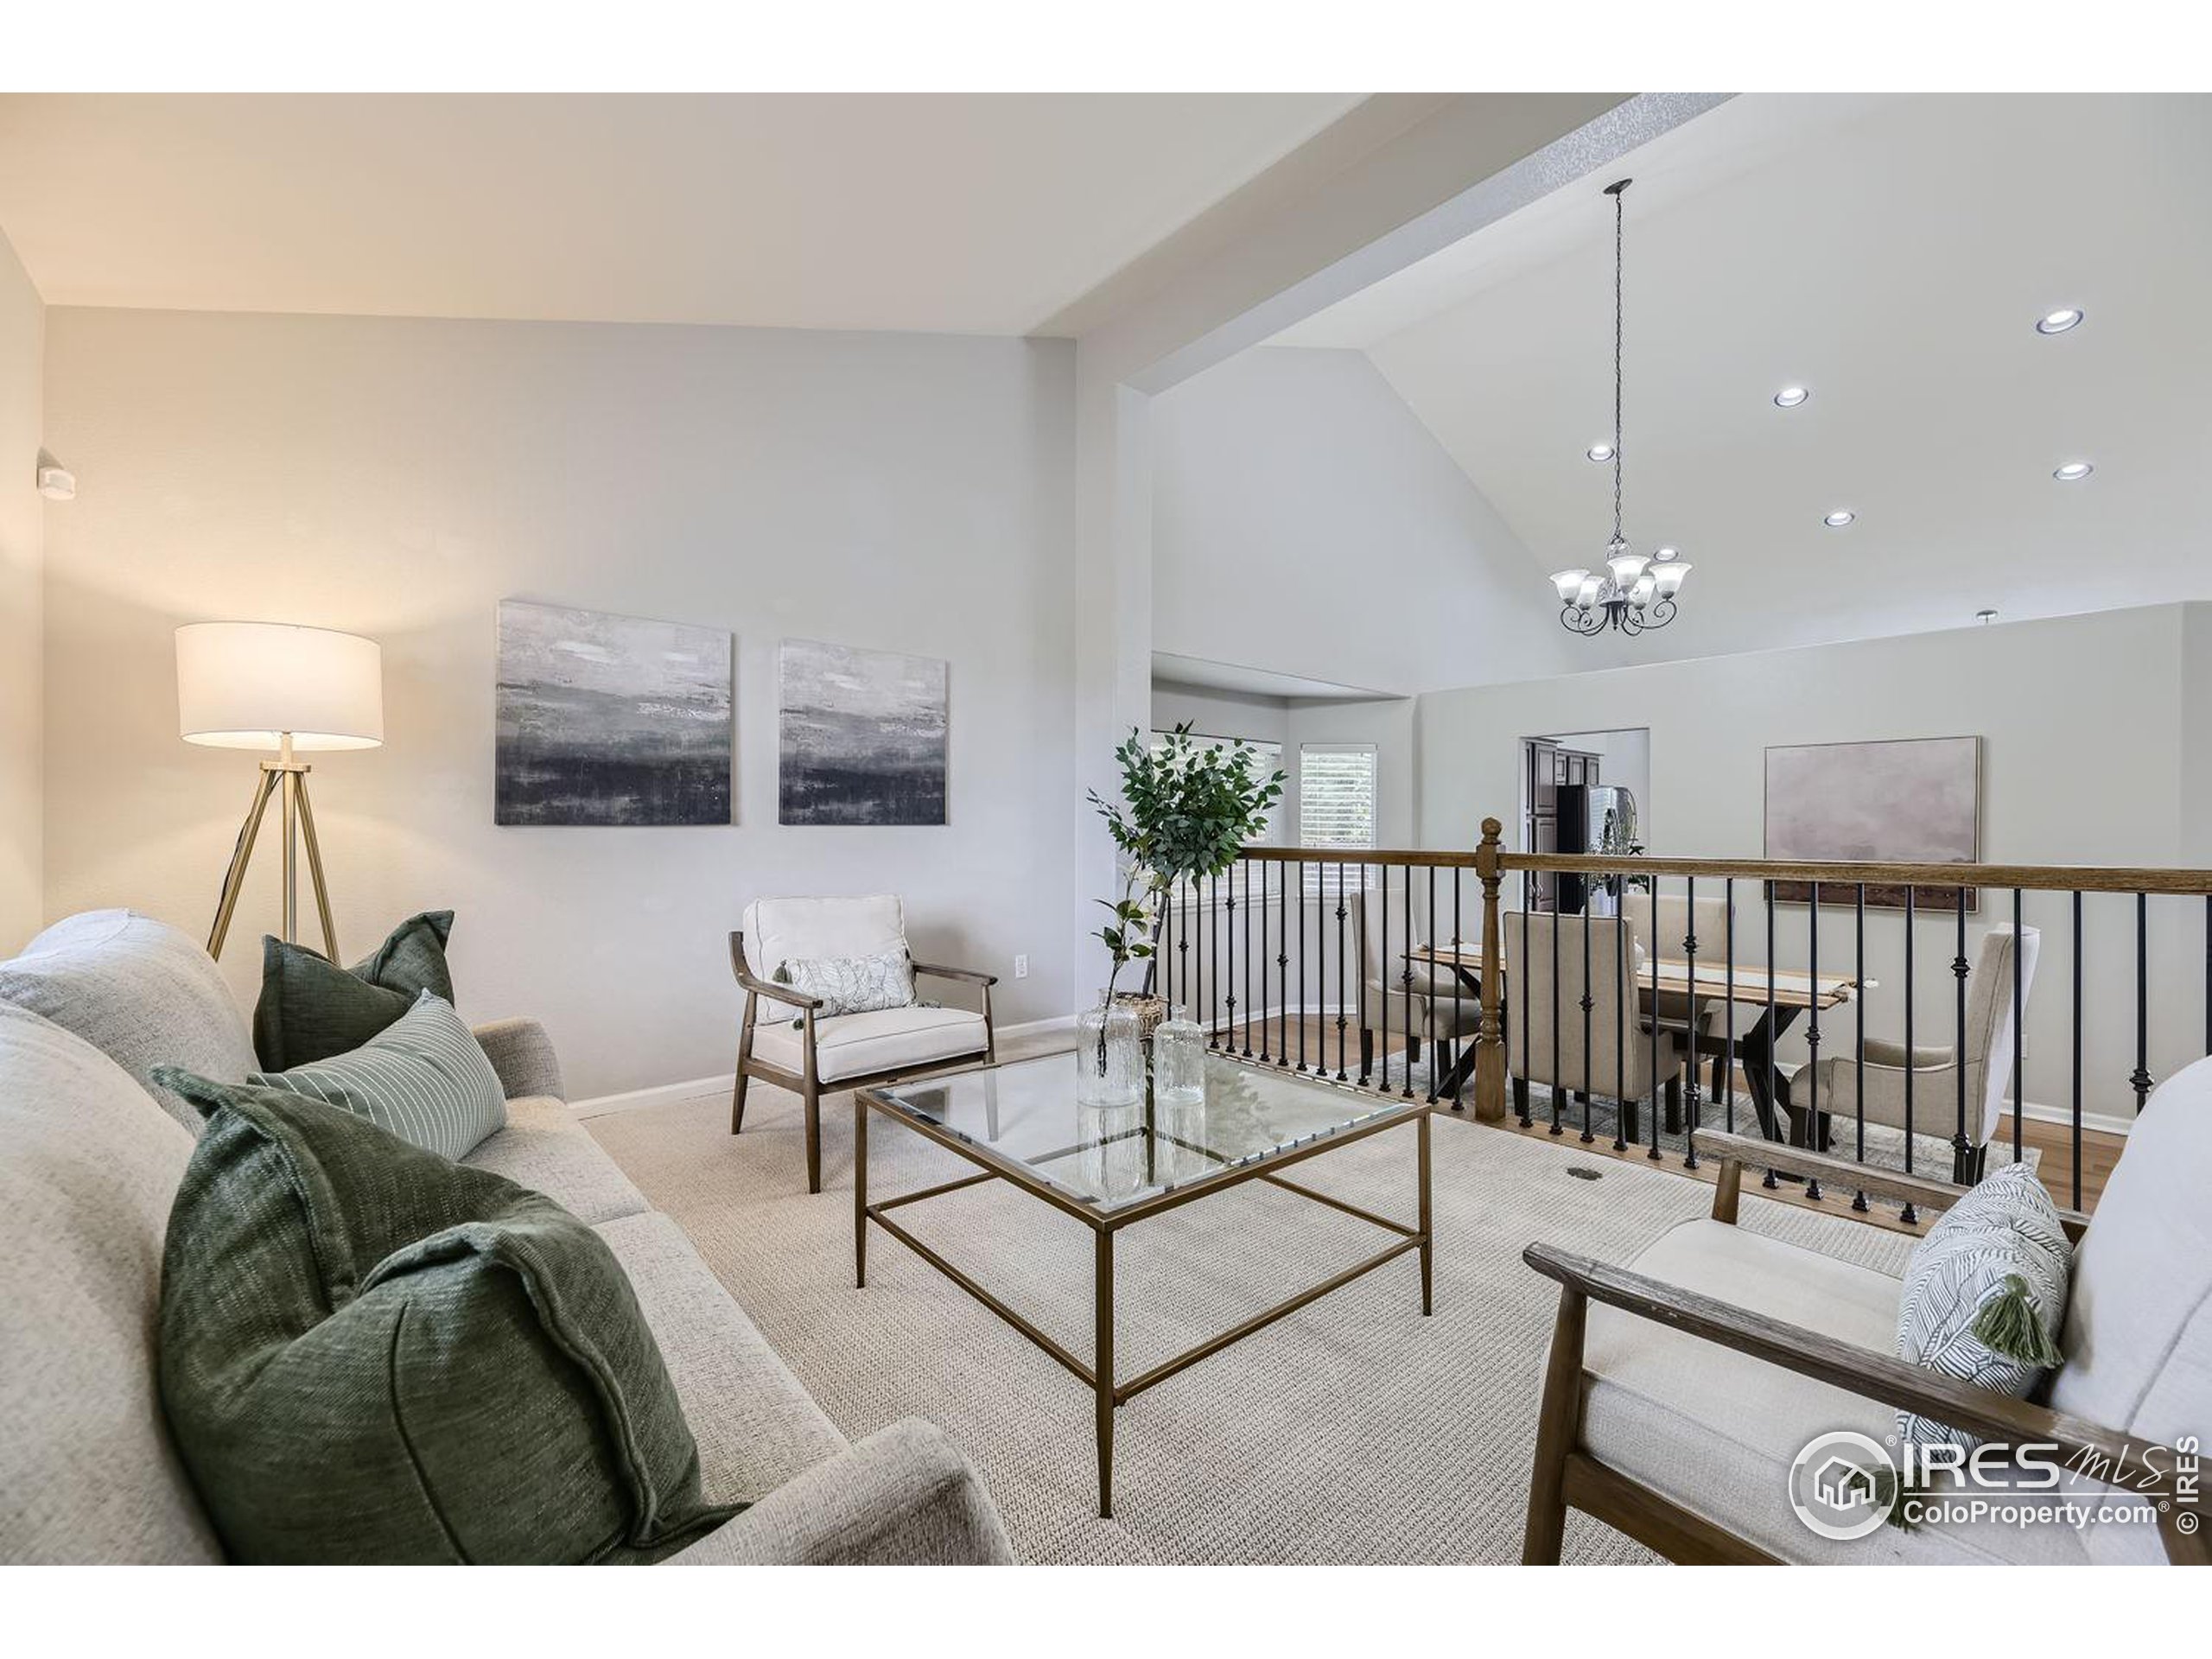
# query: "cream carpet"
1354,1431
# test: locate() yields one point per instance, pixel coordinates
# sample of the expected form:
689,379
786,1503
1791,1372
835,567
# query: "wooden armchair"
1673,1409
784,1038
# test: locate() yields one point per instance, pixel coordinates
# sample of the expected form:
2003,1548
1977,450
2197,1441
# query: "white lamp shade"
1626,567
243,685
1569,584
1669,576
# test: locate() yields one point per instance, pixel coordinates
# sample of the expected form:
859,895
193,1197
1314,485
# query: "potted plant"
1187,806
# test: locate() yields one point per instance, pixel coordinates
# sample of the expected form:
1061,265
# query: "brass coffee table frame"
1098,1375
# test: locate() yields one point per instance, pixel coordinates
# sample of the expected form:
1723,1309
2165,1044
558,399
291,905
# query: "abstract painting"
611,720
863,738
1907,801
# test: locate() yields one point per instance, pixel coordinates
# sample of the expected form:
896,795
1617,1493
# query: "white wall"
2090,744
1305,522
1215,713
398,478
23,346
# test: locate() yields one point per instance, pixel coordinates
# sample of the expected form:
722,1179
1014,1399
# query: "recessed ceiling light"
1666,553
1838,519
1599,452
1790,396
2074,472
2058,321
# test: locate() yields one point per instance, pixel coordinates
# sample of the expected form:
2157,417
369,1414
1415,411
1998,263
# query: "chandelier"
1633,592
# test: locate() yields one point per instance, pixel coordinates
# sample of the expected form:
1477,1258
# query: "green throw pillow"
310,1008
369,1354
423,1077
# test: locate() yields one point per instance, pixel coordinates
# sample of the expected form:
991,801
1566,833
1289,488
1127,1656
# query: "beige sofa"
90,1158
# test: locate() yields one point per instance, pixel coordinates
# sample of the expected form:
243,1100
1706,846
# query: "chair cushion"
757,1427
545,1149
2138,1339
142,992
2004,1233
1716,1431
88,1165
370,1354
779,930
423,1077
857,1044
310,1008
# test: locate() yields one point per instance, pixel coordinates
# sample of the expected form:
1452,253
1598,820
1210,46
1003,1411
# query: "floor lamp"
270,685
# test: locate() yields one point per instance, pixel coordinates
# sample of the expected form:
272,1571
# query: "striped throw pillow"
1985,1294
424,1077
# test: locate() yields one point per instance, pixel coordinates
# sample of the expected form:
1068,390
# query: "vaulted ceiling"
954,213
1893,255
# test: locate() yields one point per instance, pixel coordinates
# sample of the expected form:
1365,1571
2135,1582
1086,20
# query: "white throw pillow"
853,984
1985,1295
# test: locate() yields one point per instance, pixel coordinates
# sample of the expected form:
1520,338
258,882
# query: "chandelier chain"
1618,265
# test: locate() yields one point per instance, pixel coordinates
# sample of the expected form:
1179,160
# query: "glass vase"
1108,1055
1178,1096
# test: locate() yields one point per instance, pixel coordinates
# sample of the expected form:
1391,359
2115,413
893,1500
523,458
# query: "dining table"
1769,1000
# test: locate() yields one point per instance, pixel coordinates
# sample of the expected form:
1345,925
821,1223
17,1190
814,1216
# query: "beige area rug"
1354,1431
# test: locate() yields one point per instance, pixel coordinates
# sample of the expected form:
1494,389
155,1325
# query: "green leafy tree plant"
1186,807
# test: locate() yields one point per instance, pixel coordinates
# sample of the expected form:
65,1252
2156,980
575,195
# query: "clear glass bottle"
1178,1096
1108,1055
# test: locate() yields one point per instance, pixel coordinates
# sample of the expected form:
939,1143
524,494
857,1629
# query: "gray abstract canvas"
863,736
611,720
1908,801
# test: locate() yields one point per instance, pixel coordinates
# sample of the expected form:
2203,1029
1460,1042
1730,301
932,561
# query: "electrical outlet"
1021,967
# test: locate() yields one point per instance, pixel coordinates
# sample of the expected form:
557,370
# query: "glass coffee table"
1110,1168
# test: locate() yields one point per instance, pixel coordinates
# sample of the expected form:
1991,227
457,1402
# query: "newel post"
1489,1042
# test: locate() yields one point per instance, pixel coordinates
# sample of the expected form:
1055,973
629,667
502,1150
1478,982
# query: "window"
1335,804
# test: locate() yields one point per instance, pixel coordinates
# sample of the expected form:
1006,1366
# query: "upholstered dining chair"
1668,928
1553,963
1933,1069
1414,998
786,1038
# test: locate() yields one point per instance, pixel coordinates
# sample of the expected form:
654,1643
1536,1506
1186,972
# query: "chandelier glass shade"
1632,591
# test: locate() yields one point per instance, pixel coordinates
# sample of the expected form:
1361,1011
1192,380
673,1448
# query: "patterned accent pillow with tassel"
852,984
1985,1295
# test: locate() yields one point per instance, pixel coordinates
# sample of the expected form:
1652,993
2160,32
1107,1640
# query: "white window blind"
1336,805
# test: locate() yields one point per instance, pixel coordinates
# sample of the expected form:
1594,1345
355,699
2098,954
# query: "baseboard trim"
667,1094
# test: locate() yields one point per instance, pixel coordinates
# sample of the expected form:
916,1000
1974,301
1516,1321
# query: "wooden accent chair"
1673,1410
783,1040
1618,1062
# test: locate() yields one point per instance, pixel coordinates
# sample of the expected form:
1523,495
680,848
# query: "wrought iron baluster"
1213,967
1408,983
2019,1037
1961,1153
1259,1007
1589,1088
1910,1216
1624,1002
2078,946
1692,1098
1428,972
1301,965
1379,1065
1773,1071
1248,958
1342,1001
1459,1030
1282,960
1859,1033
1527,999
1724,1065
1812,1105
1658,1087
2140,1080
